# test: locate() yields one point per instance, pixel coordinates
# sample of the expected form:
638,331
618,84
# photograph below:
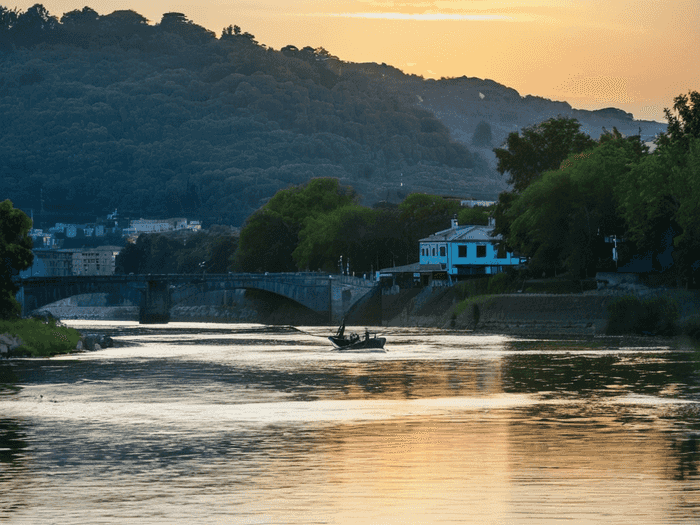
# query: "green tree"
342,232
477,215
528,154
15,255
540,148
659,196
558,220
271,234
686,124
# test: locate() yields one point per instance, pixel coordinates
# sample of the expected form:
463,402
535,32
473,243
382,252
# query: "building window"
501,252
481,250
442,251
433,252
462,250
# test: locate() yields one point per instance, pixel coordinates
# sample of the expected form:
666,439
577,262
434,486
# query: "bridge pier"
155,305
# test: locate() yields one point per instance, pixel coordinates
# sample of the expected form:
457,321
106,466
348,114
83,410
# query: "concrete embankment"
522,314
583,314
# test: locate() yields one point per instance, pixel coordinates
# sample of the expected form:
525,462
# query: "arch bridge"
329,295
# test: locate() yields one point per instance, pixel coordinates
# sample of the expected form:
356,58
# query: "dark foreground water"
202,423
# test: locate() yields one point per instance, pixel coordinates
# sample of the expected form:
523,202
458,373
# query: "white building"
150,226
95,261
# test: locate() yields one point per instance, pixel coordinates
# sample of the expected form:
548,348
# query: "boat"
354,342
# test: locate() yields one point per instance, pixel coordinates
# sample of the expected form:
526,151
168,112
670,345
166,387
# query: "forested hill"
481,112
167,119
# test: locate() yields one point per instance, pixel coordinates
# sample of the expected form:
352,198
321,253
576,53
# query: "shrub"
690,326
472,287
501,283
630,315
624,315
660,316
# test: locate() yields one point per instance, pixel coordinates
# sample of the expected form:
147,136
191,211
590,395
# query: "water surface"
212,423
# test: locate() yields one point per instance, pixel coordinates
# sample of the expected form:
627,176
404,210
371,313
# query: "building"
452,254
150,226
466,250
57,263
95,261
471,203
37,269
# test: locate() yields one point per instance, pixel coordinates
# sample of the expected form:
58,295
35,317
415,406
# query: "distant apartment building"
42,239
149,226
139,226
95,261
57,263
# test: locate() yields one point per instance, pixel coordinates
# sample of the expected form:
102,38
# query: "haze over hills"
462,103
103,112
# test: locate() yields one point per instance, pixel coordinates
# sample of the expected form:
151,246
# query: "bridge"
331,296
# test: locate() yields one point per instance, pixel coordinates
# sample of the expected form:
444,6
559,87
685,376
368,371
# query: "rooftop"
463,233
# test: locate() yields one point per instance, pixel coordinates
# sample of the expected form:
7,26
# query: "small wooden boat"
354,341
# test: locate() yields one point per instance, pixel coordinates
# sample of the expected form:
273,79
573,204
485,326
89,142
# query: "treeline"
304,228
209,251
570,193
107,111
310,227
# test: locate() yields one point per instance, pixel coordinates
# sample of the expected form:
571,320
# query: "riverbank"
526,314
37,338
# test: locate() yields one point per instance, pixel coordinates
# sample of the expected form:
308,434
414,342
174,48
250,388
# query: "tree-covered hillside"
474,108
107,111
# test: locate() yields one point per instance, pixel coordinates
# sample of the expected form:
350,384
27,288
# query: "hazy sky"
636,55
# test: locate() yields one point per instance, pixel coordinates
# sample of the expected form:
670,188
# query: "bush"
690,326
630,315
504,282
472,287
624,315
660,316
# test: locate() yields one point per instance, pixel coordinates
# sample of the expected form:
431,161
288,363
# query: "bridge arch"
329,295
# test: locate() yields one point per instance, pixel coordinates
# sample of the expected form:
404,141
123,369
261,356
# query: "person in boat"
341,329
366,334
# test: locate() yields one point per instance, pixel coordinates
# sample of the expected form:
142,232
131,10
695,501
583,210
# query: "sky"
636,55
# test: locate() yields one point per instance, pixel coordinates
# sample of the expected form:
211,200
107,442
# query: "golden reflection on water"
205,426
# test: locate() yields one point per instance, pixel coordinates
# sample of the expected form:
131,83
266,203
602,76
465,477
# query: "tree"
540,148
477,215
686,125
659,196
34,25
482,135
271,234
15,255
558,220
78,19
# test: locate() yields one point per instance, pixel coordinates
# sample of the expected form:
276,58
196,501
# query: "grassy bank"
40,339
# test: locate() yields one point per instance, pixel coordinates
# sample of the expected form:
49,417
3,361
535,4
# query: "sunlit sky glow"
633,54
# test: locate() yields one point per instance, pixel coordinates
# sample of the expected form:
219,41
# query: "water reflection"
235,424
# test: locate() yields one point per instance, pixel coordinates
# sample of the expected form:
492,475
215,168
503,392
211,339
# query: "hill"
107,111
463,103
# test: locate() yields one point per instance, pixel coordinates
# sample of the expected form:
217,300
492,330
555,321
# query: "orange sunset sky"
636,55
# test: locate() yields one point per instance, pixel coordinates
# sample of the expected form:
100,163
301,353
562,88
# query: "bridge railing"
286,277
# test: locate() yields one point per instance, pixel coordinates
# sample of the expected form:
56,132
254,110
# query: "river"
248,424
